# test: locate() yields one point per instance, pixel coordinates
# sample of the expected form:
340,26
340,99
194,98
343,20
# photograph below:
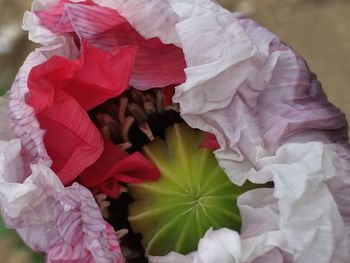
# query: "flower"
267,111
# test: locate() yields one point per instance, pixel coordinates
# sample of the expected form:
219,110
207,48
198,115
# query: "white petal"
172,257
138,14
221,245
309,226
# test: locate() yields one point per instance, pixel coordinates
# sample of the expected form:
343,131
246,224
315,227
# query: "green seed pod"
192,194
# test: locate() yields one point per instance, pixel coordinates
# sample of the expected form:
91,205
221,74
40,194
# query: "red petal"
210,142
71,140
62,90
168,95
99,171
116,165
135,169
156,65
101,76
111,188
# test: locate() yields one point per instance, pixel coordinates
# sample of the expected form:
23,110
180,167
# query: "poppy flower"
263,110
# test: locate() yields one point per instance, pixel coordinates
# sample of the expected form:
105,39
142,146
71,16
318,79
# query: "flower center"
135,118
192,195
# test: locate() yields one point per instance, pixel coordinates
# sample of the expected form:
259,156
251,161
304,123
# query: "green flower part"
192,194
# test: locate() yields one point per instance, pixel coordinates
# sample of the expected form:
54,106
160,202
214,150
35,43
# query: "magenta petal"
156,65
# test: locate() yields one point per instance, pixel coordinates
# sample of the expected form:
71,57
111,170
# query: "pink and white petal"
273,256
172,257
249,89
310,226
52,43
64,223
261,204
221,245
156,64
137,13
21,117
341,196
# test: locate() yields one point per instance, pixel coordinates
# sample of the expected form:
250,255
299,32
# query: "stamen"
123,189
100,197
137,112
160,97
123,103
144,127
137,96
121,233
149,104
105,120
103,204
124,146
128,121
173,107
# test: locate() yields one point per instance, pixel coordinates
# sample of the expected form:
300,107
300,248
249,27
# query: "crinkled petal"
63,222
304,220
261,204
273,256
92,79
221,245
250,90
22,119
156,64
62,90
137,13
172,257
115,165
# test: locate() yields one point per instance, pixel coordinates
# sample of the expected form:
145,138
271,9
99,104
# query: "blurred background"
317,29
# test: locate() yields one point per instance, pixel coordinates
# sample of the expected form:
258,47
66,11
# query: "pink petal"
64,223
254,96
156,65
